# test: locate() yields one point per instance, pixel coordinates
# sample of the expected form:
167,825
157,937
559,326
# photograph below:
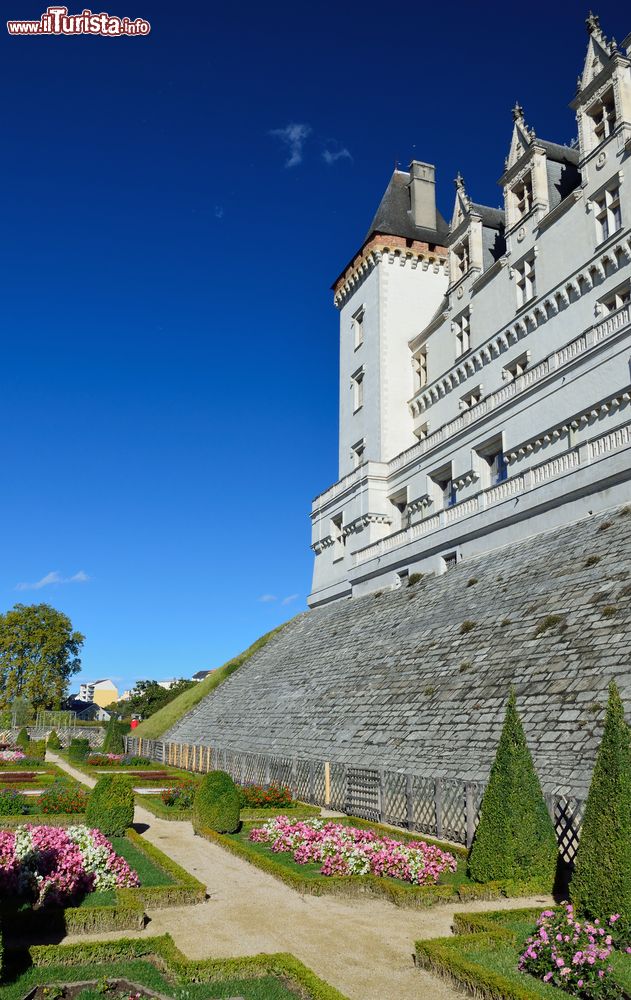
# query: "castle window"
422,432
357,385
420,367
522,196
607,213
337,534
603,116
444,486
461,259
357,322
616,300
525,281
400,502
463,333
516,367
357,453
492,463
471,399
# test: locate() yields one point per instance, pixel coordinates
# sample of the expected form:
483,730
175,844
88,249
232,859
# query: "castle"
484,363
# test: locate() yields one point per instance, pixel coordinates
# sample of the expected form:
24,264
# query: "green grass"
148,873
164,719
144,974
485,960
155,805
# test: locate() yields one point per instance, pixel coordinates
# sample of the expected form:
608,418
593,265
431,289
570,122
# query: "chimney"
423,194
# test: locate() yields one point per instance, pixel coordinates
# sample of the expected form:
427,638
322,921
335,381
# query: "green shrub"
78,750
115,733
515,838
12,802
601,884
23,739
111,805
37,750
54,743
216,804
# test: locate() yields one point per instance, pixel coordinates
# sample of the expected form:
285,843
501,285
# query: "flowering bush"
11,756
103,759
259,797
12,803
345,850
46,864
63,798
180,796
572,954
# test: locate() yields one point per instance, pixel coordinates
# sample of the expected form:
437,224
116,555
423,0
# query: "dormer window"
461,259
420,367
607,213
522,196
463,333
603,116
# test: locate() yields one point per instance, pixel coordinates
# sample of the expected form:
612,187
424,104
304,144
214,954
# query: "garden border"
128,912
353,886
154,805
166,956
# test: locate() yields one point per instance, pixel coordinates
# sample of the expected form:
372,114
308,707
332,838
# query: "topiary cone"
601,884
111,805
216,805
515,838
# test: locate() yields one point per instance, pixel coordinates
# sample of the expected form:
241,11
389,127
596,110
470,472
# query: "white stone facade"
485,370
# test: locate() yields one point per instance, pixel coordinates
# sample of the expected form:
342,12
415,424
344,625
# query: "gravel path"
363,947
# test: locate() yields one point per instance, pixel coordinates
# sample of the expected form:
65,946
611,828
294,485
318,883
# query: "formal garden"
71,862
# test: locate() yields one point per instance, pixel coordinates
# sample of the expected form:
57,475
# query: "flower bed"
574,955
11,756
274,796
347,850
45,865
117,760
488,956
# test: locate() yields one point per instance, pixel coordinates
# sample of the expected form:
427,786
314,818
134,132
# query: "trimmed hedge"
515,838
186,889
115,734
216,804
601,884
22,739
54,743
111,805
37,750
78,750
155,805
164,953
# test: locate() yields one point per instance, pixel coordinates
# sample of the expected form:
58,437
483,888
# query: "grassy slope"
156,725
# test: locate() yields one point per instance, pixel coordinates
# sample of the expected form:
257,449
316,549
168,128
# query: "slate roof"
393,217
558,153
493,218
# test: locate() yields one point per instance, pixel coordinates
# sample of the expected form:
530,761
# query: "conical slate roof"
394,216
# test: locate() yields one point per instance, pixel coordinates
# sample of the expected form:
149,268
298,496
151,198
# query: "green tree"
147,697
515,838
601,884
39,653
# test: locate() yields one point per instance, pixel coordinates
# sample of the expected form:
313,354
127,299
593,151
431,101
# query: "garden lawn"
144,974
485,959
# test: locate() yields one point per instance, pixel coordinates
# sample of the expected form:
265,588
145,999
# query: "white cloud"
290,598
331,156
267,598
294,137
219,211
54,578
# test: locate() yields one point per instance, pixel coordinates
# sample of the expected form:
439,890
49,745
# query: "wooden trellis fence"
445,808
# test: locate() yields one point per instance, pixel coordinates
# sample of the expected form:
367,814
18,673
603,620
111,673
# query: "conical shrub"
111,805
601,884
54,743
114,741
22,739
515,838
216,805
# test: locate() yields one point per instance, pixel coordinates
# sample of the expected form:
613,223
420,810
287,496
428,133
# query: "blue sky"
174,210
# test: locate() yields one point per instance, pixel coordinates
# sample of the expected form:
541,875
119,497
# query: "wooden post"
469,812
438,802
327,783
409,801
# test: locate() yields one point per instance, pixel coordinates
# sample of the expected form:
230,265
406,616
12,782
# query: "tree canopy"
39,653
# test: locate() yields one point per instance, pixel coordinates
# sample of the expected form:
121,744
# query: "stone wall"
416,679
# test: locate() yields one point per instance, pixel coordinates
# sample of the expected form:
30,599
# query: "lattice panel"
454,812
362,794
249,770
338,786
319,784
424,807
394,806
568,818
280,770
302,780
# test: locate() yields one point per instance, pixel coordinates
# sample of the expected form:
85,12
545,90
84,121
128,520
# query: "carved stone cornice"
359,523
391,248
